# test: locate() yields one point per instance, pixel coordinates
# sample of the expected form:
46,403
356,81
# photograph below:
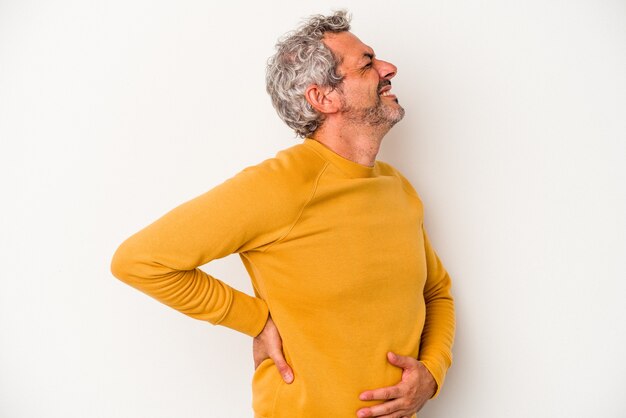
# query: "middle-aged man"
352,313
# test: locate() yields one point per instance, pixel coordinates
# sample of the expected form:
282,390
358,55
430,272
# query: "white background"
112,113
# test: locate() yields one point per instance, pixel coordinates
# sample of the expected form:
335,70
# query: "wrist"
430,384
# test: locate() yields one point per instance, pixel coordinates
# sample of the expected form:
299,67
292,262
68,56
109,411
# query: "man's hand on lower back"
268,344
407,397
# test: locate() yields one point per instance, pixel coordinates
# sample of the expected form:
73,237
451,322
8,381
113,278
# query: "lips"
384,90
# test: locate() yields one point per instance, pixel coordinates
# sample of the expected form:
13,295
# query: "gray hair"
302,59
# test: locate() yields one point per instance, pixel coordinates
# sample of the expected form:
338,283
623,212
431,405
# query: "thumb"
404,362
283,368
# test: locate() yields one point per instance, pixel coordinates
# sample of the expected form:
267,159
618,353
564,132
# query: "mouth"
385,91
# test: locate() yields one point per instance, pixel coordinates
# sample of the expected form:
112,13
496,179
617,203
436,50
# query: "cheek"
366,92
369,91
374,94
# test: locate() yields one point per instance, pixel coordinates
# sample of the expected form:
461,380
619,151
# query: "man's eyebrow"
367,55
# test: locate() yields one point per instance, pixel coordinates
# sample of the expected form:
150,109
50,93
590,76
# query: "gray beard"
378,115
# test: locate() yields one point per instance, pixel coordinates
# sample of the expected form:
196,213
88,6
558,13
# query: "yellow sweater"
337,253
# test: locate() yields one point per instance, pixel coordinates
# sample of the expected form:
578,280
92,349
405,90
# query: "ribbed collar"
350,168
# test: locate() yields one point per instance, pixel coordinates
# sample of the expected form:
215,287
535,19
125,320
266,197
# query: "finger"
259,359
386,393
404,362
283,368
388,410
258,354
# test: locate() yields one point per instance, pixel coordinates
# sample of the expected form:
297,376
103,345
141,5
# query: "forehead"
347,47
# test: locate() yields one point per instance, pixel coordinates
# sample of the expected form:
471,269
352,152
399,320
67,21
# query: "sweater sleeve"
245,213
438,334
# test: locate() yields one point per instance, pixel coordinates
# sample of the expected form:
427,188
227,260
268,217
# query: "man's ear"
323,99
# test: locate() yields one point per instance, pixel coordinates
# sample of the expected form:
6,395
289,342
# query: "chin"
396,114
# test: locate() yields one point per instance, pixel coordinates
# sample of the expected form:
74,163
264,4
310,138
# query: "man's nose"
386,70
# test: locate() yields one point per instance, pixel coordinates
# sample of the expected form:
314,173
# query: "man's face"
364,91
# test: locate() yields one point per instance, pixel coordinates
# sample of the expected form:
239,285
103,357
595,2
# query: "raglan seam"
331,163
308,201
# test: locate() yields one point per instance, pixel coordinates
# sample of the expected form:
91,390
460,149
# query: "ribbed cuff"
246,314
438,369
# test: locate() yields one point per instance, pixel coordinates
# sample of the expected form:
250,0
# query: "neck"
359,145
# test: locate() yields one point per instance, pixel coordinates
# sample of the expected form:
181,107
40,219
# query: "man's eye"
368,65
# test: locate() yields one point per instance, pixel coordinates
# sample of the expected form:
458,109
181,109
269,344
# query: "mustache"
383,83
